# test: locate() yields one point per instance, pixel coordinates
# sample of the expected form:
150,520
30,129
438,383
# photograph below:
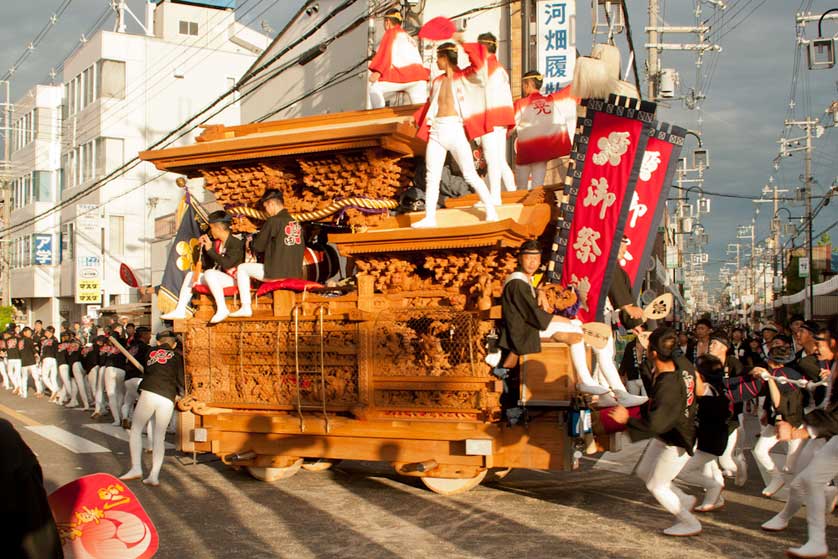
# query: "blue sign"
42,250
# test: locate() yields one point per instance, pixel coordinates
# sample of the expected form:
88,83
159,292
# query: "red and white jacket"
469,93
397,58
545,126
499,107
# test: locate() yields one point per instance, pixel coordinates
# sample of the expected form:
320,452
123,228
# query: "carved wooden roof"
458,228
389,128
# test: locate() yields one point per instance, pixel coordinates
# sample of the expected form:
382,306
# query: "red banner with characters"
98,517
605,163
649,199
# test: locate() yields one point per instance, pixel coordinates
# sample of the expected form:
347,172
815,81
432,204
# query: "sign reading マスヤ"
88,280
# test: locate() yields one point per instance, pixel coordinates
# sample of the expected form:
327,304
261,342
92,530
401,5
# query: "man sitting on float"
281,241
610,390
221,254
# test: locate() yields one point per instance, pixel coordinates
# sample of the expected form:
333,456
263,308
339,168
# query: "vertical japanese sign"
649,198
42,250
88,233
604,167
555,43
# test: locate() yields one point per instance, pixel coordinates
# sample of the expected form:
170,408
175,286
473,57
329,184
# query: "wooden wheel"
453,486
275,474
496,474
319,464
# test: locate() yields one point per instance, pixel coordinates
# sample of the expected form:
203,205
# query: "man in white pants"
13,359
92,358
809,487
4,364
49,366
133,376
397,65
500,116
784,403
29,364
162,383
453,114
670,419
544,125
221,255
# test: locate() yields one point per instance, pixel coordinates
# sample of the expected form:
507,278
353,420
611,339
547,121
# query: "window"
67,242
116,235
43,189
89,79
188,28
21,191
112,79
109,155
23,130
82,90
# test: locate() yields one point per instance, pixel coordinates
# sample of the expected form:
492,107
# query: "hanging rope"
279,369
323,370
297,365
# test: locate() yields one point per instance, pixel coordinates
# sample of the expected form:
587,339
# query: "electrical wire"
33,45
167,140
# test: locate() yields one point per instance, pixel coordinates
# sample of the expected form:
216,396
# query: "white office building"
35,162
122,93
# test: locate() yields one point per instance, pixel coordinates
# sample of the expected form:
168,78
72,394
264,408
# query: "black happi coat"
163,372
226,257
281,240
670,413
523,319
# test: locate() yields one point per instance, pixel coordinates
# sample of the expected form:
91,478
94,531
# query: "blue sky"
742,117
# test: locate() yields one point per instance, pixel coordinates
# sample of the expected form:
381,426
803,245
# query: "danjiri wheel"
449,486
275,474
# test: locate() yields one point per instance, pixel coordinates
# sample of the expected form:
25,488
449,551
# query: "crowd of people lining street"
116,374
688,391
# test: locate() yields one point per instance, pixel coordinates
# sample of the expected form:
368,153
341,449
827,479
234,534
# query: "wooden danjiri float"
392,370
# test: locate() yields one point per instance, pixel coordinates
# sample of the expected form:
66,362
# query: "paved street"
360,509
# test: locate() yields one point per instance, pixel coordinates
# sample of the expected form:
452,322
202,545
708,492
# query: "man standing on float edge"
451,116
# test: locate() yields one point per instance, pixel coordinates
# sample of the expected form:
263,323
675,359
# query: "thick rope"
347,203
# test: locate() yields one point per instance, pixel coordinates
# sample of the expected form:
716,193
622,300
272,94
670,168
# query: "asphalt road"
361,509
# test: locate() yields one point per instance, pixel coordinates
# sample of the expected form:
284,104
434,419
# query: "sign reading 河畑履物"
555,43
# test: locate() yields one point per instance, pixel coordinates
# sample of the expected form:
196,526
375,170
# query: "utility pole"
654,47
807,125
652,57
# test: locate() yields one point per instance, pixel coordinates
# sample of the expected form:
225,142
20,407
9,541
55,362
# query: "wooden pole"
124,352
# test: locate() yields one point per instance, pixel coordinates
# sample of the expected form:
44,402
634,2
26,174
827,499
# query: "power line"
168,138
42,34
162,69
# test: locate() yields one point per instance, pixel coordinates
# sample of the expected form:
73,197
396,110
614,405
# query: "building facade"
35,171
122,93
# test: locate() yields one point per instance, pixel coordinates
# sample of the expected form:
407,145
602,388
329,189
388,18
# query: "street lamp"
821,51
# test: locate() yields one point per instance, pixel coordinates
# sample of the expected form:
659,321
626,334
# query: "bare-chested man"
452,115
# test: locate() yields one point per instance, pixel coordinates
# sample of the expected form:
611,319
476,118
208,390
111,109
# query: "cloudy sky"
750,86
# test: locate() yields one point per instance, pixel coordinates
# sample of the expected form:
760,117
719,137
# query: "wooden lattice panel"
256,363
